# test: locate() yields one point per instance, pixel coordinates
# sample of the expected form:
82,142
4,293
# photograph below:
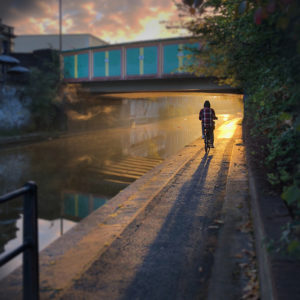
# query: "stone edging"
279,276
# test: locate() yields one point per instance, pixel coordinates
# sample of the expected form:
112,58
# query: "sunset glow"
111,21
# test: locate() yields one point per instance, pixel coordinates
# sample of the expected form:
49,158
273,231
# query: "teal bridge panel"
69,67
76,66
107,63
170,58
80,205
132,61
114,63
150,60
153,59
99,64
176,57
141,61
83,65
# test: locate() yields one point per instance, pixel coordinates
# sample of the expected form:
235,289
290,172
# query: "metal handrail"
30,245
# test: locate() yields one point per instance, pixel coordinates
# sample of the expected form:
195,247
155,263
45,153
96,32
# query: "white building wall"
94,42
29,43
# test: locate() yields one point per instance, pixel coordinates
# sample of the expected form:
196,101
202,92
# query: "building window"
5,47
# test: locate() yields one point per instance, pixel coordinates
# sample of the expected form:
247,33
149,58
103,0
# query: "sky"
114,21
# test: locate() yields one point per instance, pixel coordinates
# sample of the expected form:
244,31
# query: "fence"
30,240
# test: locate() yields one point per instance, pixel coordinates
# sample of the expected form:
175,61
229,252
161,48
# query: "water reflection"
81,171
49,231
78,206
9,214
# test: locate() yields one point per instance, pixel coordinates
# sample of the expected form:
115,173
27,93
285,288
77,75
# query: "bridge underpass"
183,84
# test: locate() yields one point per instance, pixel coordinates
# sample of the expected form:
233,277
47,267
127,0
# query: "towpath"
168,253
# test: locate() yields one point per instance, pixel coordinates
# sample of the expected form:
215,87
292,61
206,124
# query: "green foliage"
255,45
291,195
43,90
289,243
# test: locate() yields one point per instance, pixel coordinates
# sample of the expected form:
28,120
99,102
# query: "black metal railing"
30,245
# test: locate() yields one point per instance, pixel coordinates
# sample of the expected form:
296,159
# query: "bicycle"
207,141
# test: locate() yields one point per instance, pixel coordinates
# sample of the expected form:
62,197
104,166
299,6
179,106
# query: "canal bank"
75,266
69,258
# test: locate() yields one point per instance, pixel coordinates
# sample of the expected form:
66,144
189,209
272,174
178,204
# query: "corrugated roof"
64,35
131,43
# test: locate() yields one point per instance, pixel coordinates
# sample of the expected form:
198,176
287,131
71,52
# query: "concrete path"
169,253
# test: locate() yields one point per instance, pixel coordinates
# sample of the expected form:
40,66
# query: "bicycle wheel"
207,146
206,142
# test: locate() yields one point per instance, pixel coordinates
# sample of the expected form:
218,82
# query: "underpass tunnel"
92,111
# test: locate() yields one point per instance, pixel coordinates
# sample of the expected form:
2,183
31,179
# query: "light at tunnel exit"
227,130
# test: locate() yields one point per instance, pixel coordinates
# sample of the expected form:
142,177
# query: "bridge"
156,65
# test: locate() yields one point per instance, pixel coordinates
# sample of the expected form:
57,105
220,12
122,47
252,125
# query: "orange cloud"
90,8
113,21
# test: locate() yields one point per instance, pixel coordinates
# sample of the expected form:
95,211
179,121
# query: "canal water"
106,148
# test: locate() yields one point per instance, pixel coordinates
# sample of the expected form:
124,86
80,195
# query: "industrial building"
30,43
6,38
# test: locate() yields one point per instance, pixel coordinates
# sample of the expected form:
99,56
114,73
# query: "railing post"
30,236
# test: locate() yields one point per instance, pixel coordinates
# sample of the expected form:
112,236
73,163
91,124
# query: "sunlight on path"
226,130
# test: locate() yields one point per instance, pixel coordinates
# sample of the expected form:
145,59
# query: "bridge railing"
30,240
139,60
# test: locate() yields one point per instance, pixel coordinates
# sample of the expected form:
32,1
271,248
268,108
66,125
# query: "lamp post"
60,25
60,40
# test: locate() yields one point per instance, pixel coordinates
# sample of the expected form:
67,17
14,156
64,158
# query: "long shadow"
178,241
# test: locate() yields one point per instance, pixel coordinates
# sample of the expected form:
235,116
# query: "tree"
43,91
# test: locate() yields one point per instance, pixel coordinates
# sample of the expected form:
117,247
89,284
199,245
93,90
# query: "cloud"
11,9
113,21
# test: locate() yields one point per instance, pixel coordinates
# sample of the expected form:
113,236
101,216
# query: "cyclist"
207,116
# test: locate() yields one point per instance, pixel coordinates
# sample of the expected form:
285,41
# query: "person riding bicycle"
207,116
